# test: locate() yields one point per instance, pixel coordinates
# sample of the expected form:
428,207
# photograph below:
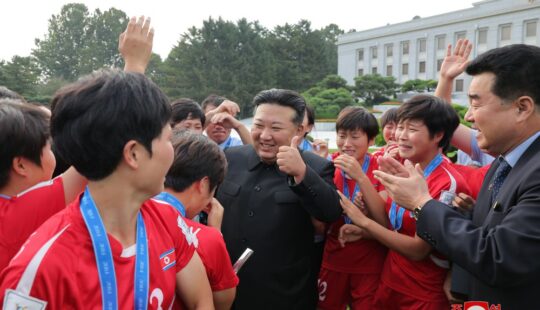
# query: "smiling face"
414,141
354,143
273,127
494,119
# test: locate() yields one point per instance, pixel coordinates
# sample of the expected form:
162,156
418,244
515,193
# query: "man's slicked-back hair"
195,157
95,117
185,108
435,113
516,68
358,118
283,97
24,131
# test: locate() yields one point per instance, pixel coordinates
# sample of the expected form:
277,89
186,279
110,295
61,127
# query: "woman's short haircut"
95,117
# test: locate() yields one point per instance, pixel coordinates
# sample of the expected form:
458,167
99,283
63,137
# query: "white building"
415,49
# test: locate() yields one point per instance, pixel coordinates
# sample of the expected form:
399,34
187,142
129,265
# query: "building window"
374,70
360,72
461,35
505,33
422,45
441,43
439,64
530,29
422,67
374,52
405,69
459,85
405,48
482,36
389,50
361,54
389,70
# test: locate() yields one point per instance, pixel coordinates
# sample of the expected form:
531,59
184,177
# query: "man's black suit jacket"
265,212
500,247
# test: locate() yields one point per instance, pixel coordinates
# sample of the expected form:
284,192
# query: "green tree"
374,88
101,46
21,75
59,53
416,85
222,57
303,56
78,42
333,81
329,96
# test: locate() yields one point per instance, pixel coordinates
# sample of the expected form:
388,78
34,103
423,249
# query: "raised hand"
215,214
408,191
350,233
226,120
391,166
290,161
353,212
135,44
349,165
320,147
464,202
359,202
455,62
228,106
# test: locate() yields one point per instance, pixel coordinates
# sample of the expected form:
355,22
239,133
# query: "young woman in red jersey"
413,275
350,274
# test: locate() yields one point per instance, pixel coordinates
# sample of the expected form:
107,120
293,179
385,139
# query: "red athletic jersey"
424,279
21,215
214,256
473,176
59,264
362,256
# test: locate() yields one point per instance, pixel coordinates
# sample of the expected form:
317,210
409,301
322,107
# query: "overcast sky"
22,20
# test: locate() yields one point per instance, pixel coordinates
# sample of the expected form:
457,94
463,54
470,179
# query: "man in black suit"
500,246
270,192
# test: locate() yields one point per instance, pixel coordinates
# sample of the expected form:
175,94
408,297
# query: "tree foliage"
329,97
78,42
237,60
21,75
232,59
419,86
375,88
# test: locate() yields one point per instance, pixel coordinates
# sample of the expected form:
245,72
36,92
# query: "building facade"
416,49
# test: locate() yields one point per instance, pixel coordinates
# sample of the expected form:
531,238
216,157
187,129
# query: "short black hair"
389,116
24,131
358,118
516,68
195,157
214,100
283,97
185,108
437,115
95,117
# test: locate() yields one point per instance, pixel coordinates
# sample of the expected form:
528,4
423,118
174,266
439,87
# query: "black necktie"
498,180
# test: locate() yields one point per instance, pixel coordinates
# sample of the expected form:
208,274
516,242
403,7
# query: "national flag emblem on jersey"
167,259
